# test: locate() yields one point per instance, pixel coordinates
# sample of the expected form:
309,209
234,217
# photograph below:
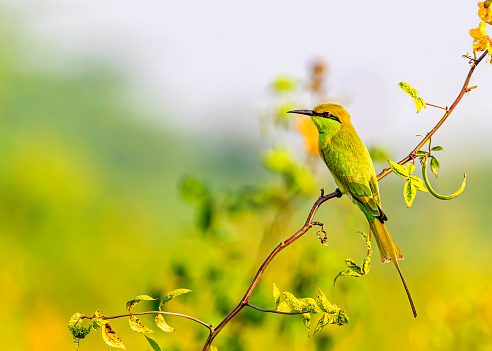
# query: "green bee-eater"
350,164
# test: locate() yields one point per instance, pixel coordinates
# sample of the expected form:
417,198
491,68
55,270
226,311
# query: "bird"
351,166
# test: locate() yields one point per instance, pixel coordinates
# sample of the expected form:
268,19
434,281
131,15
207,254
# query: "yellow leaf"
137,325
161,324
110,337
136,300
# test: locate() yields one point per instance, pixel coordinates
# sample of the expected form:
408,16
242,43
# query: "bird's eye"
326,114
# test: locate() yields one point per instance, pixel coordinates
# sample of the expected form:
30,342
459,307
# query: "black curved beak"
302,112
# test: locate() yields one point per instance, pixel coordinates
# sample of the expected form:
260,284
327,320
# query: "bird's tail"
389,251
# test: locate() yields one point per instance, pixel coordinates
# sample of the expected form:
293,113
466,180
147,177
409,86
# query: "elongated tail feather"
389,251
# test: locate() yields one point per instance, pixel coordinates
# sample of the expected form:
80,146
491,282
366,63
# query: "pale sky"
205,65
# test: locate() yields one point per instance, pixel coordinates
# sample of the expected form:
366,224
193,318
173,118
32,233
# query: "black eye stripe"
328,115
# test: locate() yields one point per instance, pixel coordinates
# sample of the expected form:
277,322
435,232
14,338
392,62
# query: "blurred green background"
95,209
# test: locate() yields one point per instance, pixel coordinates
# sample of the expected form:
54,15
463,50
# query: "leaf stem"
273,311
442,108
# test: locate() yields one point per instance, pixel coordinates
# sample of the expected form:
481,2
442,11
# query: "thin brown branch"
154,312
244,301
442,108
273,311
463,91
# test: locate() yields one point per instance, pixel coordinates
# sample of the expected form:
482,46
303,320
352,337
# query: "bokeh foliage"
91,215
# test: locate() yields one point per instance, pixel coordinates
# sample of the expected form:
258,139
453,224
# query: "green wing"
350,164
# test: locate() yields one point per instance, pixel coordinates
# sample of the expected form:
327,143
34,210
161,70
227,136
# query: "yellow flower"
481,39
485,13
307,128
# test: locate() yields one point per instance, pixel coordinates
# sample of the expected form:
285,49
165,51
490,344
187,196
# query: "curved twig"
432,191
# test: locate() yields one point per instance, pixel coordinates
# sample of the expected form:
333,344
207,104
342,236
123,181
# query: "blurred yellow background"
92,211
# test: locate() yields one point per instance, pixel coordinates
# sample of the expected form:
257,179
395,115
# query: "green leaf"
350,263
110,337
283,84
421,154
161,323
283,307
98,320
379,153
192,189
367,240
136,300
366,265
341,318
418,183
323,322
153,344
137,326
307,321
353,269
438,148
400,170
292,301
309,304
78,330
435,165
171,295
409,192
206,214
347,272
323,302
276,295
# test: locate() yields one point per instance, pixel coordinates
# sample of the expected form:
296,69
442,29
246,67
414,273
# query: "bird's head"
328,118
